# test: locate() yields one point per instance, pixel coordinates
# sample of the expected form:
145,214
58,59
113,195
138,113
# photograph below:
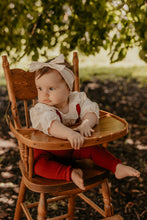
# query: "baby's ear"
68,87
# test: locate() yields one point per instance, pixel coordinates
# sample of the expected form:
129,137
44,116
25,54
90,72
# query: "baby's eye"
51,88
39,88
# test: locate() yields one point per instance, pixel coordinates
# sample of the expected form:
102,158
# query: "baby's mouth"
46,101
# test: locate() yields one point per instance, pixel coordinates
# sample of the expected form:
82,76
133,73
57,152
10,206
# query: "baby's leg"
100,156
51,169
123,171
54,170
77,178
105,159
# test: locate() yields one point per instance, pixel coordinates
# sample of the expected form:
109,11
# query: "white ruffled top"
42,115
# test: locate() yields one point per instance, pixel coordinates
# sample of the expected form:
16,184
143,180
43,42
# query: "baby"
57,109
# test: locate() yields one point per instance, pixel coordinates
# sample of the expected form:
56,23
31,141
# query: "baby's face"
52,89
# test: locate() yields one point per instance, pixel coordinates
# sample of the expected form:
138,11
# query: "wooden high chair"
21,86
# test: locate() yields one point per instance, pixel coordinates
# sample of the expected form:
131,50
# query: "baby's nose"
46,93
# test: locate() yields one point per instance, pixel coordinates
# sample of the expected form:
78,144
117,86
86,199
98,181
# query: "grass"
114,73
99,66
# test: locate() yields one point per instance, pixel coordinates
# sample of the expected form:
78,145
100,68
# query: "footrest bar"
26,211
92,204
59,217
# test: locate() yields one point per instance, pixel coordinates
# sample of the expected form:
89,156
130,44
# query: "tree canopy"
33,27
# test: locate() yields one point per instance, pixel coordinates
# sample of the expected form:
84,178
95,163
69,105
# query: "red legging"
57,164
51,164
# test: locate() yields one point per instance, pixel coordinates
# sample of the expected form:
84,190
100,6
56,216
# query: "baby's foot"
123,171
77,178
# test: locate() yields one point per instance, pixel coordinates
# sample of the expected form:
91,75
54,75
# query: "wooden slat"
54,199
107,199
42,207
71,206
114,217
8,76
26,114
11,94
26,211
92,204
76,71
26,158
65,216
31,162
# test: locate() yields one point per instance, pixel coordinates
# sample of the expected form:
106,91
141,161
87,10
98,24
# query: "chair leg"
107,199
18,209
42,207
71,207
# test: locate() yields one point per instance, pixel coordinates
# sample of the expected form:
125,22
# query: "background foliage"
33,27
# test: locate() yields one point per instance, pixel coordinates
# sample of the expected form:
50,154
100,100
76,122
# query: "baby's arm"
57,129
88,122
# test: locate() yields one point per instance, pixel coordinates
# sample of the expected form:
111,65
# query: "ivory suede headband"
65,72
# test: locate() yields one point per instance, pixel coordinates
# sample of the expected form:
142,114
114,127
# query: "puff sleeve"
88,106
42,116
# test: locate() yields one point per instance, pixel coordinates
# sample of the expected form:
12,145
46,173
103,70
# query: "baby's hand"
84,129
76,140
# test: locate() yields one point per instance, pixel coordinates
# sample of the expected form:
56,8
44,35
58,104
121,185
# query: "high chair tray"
110,127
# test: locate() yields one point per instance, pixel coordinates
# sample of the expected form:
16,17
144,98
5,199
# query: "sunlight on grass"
114,73
98,65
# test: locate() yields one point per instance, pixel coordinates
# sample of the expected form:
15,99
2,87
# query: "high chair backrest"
21,86
21,90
